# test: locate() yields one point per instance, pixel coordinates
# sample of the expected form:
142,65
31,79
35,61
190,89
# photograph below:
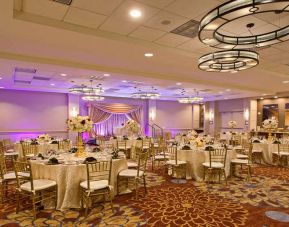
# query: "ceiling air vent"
41,78
189,29
66,2
24,70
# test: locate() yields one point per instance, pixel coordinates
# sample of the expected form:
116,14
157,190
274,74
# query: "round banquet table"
41,148
68,178
196,157
268,149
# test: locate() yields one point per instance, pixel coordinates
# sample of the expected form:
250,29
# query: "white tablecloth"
268,149
68,178
195,158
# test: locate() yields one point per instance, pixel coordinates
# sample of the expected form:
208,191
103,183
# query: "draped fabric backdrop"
107,117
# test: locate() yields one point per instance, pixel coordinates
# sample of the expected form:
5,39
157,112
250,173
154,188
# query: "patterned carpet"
241,203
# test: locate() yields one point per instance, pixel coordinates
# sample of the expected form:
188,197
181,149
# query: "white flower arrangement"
43,137
232,124
270,123
132,126
192,133
80,124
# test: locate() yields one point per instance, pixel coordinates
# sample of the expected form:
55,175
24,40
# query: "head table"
69,174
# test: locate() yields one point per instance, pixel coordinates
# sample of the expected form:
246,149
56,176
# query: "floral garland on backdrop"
80,124
132,126
270,123
232,124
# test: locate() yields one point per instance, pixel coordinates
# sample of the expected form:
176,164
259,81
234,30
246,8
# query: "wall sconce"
73,112
246,114
152,115
211,117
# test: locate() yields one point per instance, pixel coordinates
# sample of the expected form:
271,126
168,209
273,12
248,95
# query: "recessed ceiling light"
220,92
135,13
261,98
52,84
285,81
148,55
275,97
124,81
106,75
225,98
0,78
1,87
63,74
264,94
228,89
178,83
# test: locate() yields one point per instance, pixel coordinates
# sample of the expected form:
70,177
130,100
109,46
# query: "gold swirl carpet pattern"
241,203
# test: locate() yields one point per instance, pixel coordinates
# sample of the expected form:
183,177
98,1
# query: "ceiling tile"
146,33
192,8
84,18
157,3
45,8
98,6
166,21
118,26
192,45
172,40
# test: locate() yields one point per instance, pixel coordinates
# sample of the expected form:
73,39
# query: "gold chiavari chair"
158,152
173,164
281,156
257,154
29,150
135,174
37,190
6,177
243,162
123,145
97,183
217,162
64,145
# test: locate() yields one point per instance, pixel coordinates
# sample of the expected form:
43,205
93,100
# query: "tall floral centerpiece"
270,125
80,124
132,127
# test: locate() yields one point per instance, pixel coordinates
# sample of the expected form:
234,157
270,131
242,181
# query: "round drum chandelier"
228,61
187,100
210,29
89,93
145,95
92,98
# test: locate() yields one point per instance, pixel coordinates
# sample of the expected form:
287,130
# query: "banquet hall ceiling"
96,37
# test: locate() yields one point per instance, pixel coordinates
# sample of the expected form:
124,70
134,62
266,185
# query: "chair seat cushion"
124,148
39,184
160,157
9,176
173,162
10,153
214,164
239,161
130,173
256,151
131,164
242,156
95,185
145,147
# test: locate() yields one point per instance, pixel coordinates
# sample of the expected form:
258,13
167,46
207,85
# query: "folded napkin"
139,138
73,150
276,142
89,159
209,148
53,161
54,142
96,149
40,156
186,147
256,141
